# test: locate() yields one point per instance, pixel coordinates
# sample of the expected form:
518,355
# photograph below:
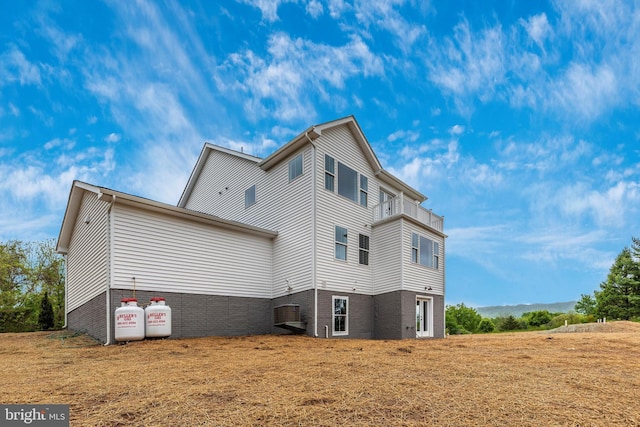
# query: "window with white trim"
329,172
364,190
340,315
295,167
351,184
347,182
363,243
425,251
250,196
341,243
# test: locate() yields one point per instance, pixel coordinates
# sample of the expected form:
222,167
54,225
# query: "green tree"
45,318
462,319
486,325
619,296
537,318
509,323
26,271
586,305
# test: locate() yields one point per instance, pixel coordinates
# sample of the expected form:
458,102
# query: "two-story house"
318,225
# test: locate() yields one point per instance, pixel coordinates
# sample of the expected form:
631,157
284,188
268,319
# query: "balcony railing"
398,205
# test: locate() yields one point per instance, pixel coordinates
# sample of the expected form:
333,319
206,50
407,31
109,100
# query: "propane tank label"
126,320
156,319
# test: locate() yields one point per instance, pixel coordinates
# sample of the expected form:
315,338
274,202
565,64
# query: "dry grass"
519,379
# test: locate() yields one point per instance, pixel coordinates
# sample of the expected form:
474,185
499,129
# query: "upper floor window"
363,257
347,182
250,196
425,251
295,167
364,190
341,243
329,172
351,184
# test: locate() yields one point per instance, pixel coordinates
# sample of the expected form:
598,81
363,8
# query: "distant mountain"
518,310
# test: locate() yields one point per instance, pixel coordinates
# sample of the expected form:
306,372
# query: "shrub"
486,325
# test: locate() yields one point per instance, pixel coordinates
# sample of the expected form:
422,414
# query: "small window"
364,192
249,196
364,249
414,248
329,172
340,315
295,167
436,255
341,243
347,182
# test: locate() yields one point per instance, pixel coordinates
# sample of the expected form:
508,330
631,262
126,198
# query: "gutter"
109,260
314,282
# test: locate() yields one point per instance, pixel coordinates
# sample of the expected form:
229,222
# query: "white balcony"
397,206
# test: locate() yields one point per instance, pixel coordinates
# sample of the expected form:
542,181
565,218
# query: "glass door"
386,203
424,317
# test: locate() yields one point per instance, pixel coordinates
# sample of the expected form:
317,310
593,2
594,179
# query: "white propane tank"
129,321
158,318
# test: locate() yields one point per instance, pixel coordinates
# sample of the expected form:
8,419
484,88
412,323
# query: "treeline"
619,295
31,286
617,299
461,319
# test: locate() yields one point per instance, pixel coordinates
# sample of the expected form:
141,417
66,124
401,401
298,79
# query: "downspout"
66,293
444,283
313,235
109,272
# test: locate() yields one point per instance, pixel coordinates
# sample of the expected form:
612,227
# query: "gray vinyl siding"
417,277
280,205
221,184
87,257
336,210
387,244
165,253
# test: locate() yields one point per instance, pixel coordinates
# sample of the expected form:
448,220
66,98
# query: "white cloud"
68,144
384,14
269,8
469,64
584,91
280,84
404,135
456,130
15,67
314,8
538,29
113,137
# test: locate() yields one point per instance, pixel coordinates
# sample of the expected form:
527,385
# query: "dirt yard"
518,379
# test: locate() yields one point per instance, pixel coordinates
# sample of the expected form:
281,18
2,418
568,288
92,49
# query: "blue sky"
518,119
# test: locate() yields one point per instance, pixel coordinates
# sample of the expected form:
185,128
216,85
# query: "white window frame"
330,172
364,190
334,315
337,242
293,167
250,196
362,250
417,251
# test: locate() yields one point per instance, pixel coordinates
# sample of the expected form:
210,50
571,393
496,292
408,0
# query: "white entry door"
424,317
386,203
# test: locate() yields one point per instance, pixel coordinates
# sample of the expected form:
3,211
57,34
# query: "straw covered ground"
519,379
